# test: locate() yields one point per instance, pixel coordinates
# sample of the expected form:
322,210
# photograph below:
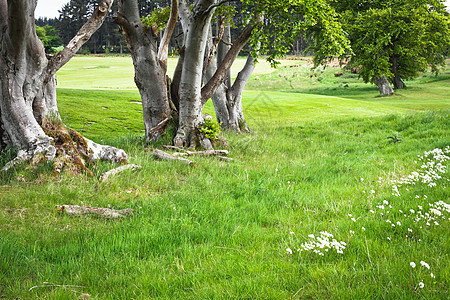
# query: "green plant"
211,129
158,17
395,138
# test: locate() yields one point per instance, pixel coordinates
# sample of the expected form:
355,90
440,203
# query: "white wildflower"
421,285
424,264
288,250
412,264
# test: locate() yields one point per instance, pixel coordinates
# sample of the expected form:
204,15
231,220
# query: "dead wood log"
208,152
76,210
223,158
115,171
173,148
161,155
159,126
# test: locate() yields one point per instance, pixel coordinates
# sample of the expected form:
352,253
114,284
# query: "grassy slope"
221,230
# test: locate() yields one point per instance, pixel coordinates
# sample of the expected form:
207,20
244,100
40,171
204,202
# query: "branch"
82,36
210,88
159,126
208,10
164,46
161,155
118,170
243,76
184,14
216,42
3,16
75,210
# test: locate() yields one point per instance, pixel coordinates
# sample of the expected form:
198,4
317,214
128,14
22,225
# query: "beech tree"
272,35
394,40
150,63
276,20
189,88
29,117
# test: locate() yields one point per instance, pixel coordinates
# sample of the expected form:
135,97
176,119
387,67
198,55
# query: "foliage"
211,128
49,37
285,20
398,38
159,16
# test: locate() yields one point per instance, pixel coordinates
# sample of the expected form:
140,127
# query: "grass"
221,230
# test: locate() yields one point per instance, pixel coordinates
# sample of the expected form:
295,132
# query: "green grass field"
320,160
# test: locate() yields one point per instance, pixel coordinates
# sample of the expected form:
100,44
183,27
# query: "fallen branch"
115,171
173,148
161,155
76,210
208,152
224,158
159,126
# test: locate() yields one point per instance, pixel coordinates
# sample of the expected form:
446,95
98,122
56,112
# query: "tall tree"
28,86
393,40
189,92
150,63
272,36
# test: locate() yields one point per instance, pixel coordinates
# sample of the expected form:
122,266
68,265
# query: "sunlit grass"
221,230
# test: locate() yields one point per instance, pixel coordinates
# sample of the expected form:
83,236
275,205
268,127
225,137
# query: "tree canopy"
395,38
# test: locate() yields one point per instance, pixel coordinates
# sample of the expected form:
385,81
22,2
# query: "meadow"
338,194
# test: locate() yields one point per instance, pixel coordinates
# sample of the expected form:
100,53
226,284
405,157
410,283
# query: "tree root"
75,210
115,171
161,155
70,152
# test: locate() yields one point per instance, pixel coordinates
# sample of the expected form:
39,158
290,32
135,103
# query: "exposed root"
115,171
75,210
71,149
192,140
43,150
161,155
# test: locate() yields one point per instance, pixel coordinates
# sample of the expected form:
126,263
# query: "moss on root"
71,149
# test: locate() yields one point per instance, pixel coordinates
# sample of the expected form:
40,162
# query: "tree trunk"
383,85
190,113
150,75
28,84
396,79
398,83
226,99
22,64
236,113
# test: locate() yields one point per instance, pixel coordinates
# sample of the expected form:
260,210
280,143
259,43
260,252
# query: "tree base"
68,150
194,139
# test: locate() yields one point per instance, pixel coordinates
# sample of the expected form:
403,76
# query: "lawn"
328,157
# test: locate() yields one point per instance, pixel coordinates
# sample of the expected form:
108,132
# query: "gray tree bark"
190,113
28,83
398,82
396,79
383,85
227,99
150,68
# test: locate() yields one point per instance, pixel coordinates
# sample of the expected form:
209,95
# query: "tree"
29,114
49,37
150,63
189,90
393,40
